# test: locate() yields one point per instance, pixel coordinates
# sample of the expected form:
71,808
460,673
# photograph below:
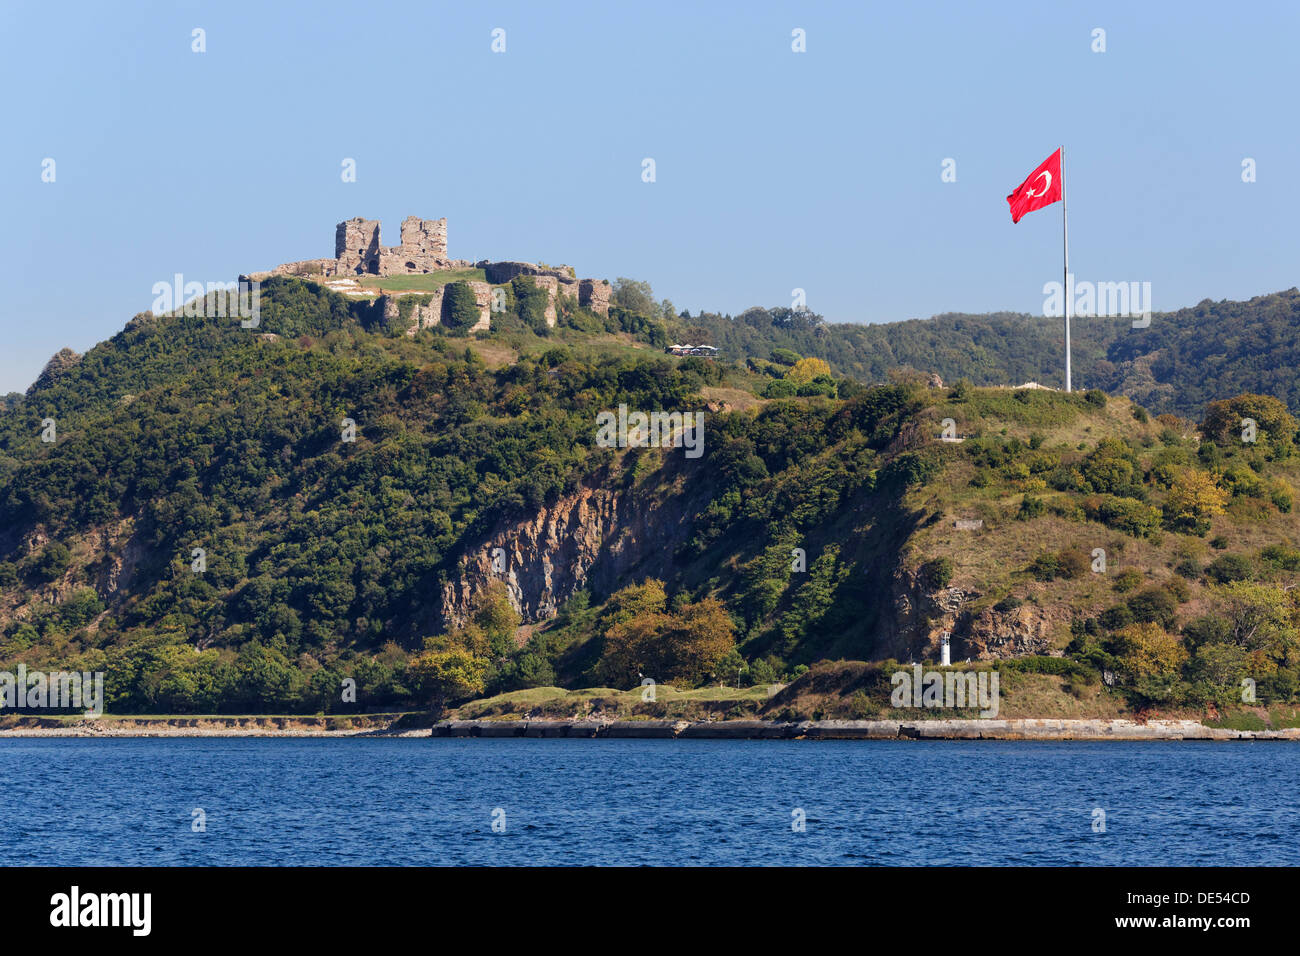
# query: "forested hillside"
1180,363
230,519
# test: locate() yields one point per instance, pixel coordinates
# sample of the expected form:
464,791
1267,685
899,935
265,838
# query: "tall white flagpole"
1065,279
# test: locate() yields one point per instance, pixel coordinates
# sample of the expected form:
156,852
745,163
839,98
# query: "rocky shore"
387,725
1023,729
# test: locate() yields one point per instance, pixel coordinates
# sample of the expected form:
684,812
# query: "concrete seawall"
387,726
1026,729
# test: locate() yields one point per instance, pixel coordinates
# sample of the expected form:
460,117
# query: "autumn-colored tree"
446,676
631,649
490,630
642,636
1261,617
648,597
493,611
696,639
632,620
1148,650
1274,425
805,370
1193,500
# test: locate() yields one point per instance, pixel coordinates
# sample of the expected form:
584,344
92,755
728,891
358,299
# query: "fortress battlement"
422,250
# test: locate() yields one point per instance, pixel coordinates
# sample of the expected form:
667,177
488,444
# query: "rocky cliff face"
921,616
993,634
597,539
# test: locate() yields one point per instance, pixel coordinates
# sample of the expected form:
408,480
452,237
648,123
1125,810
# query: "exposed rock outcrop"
993,634
596,538
920,617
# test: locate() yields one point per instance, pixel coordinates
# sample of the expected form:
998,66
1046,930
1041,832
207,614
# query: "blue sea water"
421,801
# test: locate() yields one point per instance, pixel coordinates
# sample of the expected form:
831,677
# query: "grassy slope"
428,282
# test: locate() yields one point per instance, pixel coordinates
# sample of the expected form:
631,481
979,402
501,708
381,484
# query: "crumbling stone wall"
425,311
356,246
501,272
423,249
358,250
595,294
307,268
552,287
425,237
483,299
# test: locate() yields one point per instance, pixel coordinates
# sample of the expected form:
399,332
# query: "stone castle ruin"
422,250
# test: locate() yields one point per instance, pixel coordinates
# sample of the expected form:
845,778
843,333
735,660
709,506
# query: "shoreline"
1046,729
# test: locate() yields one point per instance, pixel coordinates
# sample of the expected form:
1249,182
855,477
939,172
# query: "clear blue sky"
775,170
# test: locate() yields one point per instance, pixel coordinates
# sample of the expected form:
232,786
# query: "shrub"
1208,629
1230,567
780,388
1111,468
1178,588
1193,500
52,561
1127,580
1281,557
1153,605
1240,481
1045,567
1125,514
1030,507
785,356
1115,618
908,470
936,574
1073,564
1280,494
531,301
821,385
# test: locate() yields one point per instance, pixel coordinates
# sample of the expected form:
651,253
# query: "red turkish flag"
1042,188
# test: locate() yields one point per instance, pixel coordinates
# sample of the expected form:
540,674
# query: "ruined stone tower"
424,244
356,246
357,250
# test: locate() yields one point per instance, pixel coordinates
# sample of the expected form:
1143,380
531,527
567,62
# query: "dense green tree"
460,309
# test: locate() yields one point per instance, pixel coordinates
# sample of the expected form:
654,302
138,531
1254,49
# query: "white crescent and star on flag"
1030,194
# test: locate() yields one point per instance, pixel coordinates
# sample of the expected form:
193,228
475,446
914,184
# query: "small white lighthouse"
945,650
